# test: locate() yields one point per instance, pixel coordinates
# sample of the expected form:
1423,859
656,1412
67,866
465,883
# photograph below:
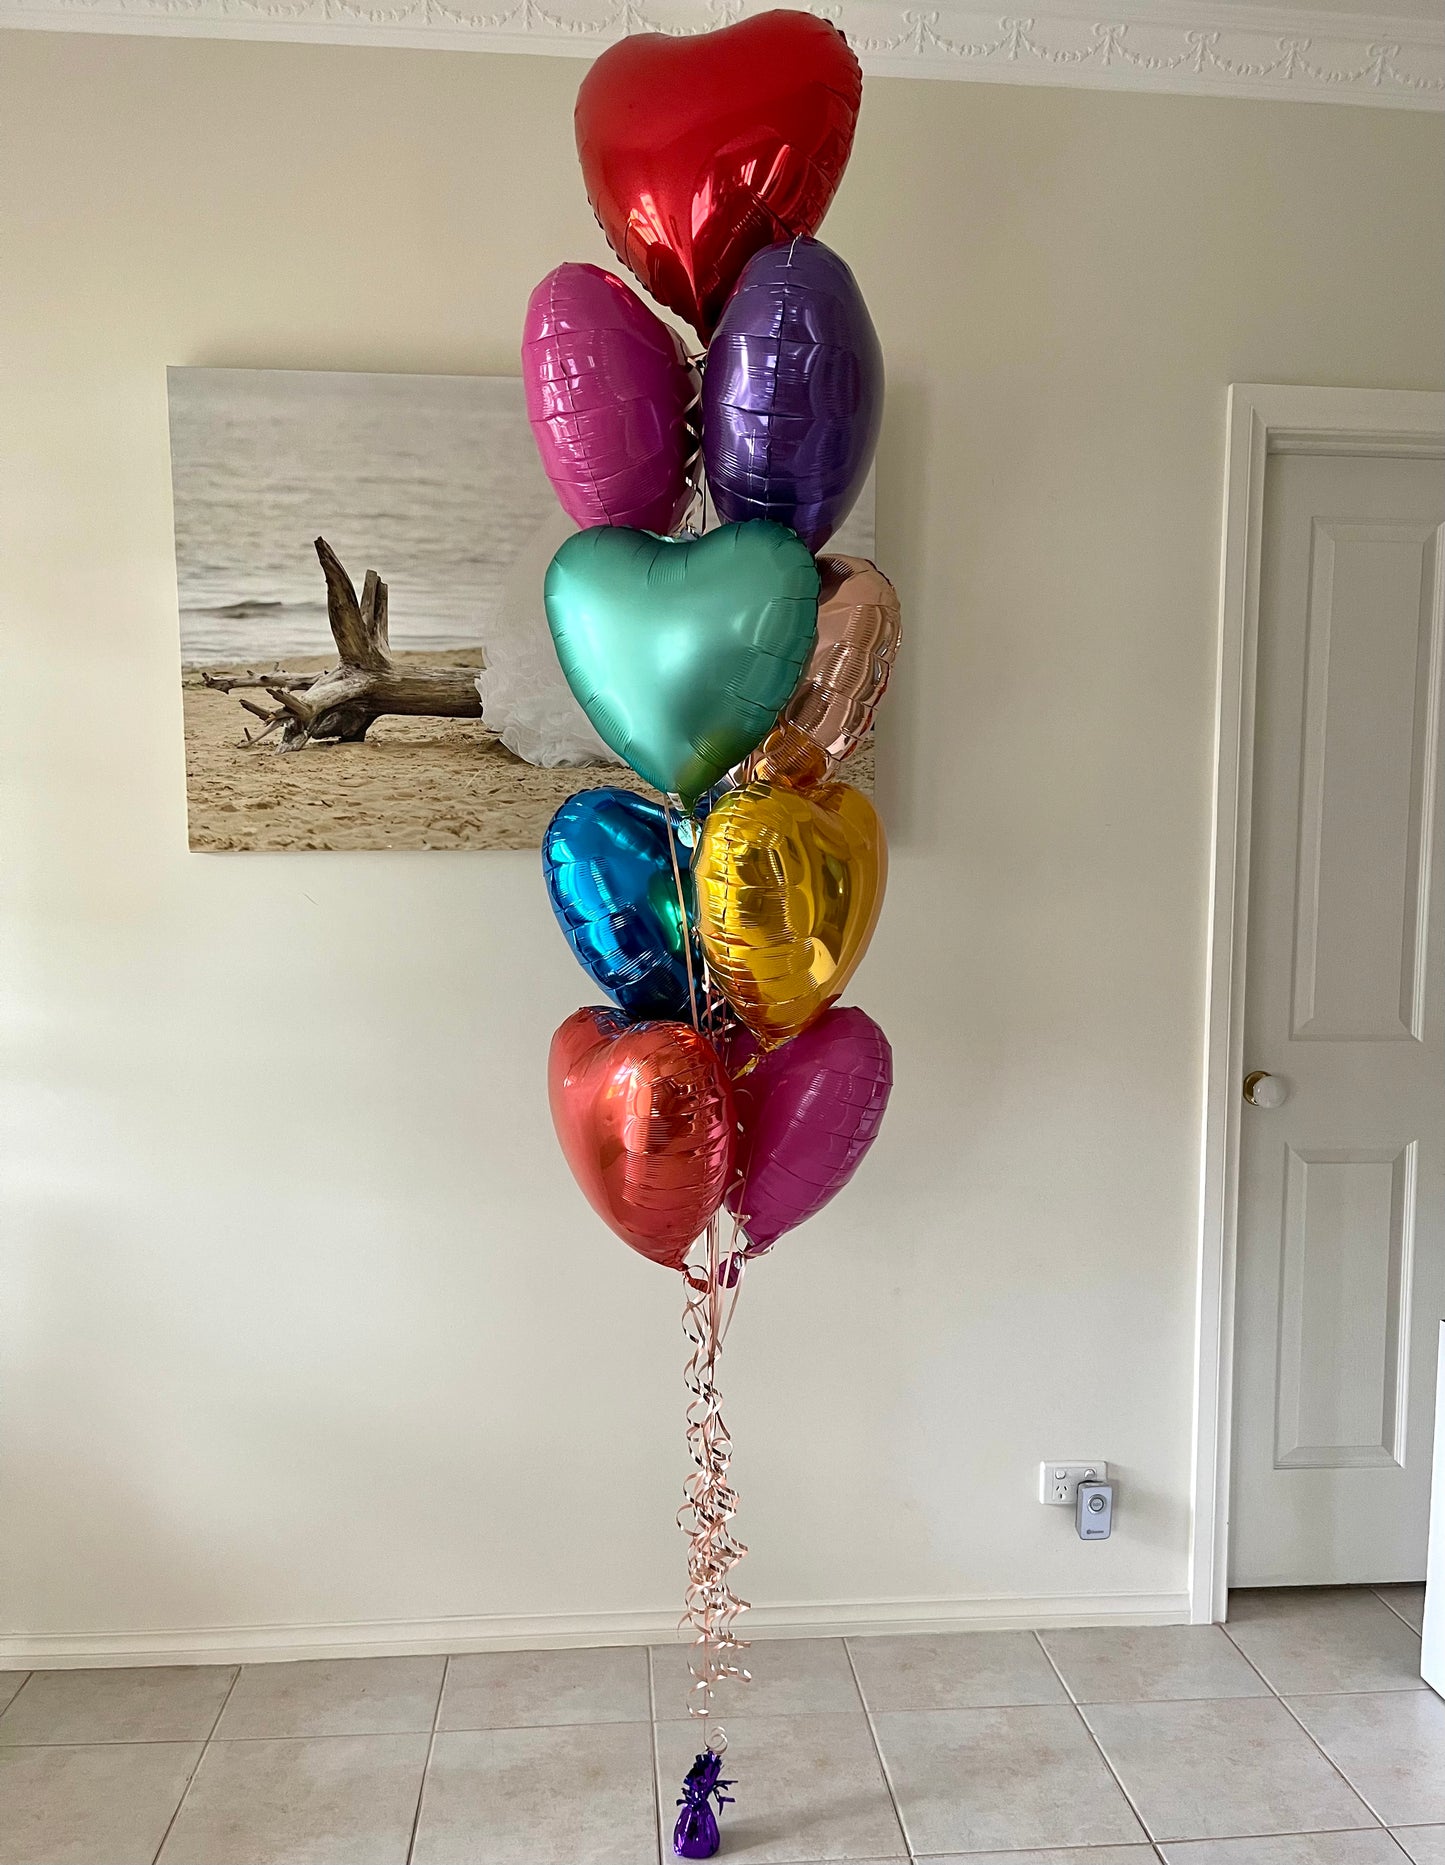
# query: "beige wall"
303,1322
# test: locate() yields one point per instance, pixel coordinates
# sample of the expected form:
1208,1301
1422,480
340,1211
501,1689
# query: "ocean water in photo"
432,481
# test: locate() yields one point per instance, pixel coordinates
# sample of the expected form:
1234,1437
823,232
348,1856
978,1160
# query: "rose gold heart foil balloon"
835,699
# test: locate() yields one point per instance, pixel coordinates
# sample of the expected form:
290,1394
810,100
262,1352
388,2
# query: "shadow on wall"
900,791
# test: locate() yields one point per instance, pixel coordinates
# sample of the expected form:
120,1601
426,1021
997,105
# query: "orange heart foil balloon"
644,1112
698,151
837,695
789,884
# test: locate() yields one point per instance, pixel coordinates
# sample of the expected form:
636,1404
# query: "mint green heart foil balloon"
683,651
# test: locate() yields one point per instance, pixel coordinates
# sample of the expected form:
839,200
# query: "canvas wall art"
364,659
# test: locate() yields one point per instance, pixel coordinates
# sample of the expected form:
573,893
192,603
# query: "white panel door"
1341,1266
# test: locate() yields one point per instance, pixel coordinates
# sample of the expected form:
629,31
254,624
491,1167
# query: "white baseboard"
267,1644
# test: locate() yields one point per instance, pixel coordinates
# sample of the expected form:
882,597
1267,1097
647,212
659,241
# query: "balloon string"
737,1264
709,1501
683,920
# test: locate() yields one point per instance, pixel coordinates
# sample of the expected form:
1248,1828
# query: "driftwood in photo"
340,705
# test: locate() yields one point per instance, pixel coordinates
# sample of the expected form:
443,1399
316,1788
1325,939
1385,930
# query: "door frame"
1262,419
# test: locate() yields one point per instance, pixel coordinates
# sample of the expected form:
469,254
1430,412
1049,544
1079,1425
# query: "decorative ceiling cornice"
1216,48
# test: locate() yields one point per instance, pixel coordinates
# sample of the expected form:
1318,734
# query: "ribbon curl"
709,1500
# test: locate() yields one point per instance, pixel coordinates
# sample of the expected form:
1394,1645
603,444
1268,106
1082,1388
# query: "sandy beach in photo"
413,783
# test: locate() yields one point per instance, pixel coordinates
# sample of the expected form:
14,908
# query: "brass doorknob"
1264,1090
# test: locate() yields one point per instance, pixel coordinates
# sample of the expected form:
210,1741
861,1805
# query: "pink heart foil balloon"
612,400
807,1112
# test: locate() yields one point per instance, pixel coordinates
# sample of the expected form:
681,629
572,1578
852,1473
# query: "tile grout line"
656,1756
1279,1698
190,1778
1396,1610
903,1834
1078,1708
431,1743
19,1692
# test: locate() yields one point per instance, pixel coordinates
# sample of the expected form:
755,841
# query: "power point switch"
1059,1481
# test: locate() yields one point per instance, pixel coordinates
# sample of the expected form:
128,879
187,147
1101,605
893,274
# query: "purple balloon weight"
808,1112
612,401
792,393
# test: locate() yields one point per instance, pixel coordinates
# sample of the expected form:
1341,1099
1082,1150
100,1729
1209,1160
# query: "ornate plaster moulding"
1216,48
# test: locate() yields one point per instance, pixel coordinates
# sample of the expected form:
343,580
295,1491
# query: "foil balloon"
808,1113
608,864
697,151
645,1116
832,709
612,400
683,651
789,884
793,393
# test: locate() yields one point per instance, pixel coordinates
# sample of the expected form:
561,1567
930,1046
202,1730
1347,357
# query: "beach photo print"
365,662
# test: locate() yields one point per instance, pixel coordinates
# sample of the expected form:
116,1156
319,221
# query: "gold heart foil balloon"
789,884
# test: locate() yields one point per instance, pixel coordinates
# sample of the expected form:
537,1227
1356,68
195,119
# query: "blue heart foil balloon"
683,651
609,875
792,394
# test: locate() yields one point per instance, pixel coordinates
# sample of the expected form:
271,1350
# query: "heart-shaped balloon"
697,151
808,1112
612,400
609,871
793,394
644,1112
789,884
833,705
683,651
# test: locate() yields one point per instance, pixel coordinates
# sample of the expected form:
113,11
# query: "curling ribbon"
710,1502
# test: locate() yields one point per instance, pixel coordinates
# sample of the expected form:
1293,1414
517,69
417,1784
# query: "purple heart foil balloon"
612,400
808,1112
792,393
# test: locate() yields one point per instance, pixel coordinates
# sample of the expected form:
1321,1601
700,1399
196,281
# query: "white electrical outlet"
1059,1482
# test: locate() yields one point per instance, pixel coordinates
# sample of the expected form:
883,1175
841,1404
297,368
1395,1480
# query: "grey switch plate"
1094,1511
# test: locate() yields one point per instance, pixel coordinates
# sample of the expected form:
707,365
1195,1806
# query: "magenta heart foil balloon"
612,400
808,1112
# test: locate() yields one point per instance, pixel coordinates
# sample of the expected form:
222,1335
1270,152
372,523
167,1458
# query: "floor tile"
530,1689
1390,1747
1324,1638
329,1800
1425,1844
808,1788
160,1703
1221,1770
579,1796
10,1682
979,1780
790,1677
1133,1664
1407,1601
107,1804
1373,1846
956,1671
342,1696
1056,1855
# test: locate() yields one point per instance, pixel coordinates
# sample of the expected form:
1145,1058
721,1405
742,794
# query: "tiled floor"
1296,1737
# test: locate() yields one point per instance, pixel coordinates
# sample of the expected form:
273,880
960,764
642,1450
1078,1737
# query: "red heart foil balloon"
697,152
645,1115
